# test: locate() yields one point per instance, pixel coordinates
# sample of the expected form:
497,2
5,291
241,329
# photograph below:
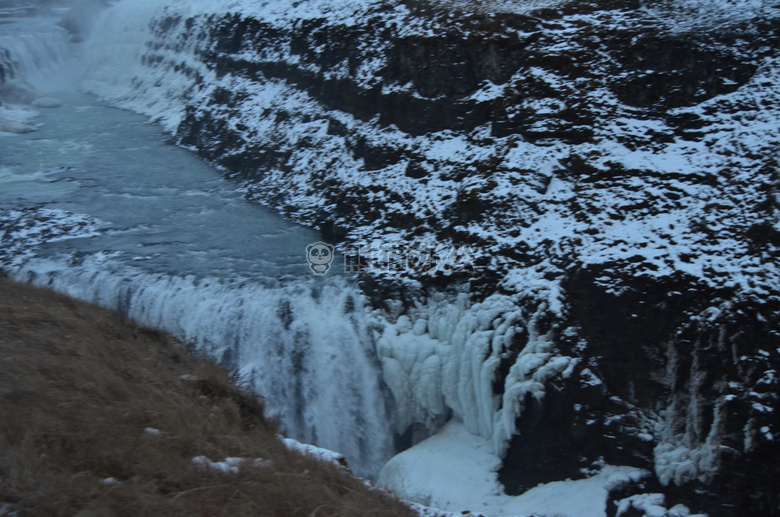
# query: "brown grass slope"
79,386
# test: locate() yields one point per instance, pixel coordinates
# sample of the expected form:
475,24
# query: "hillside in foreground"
100,417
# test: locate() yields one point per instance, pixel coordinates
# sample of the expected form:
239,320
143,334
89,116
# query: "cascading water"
39,53
96,205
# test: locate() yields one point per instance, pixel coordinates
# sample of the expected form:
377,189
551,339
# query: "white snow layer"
456,471
317,452
230,465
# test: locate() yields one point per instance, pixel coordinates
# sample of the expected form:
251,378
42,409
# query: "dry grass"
79,386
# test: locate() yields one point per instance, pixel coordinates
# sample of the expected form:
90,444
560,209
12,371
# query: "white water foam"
41,54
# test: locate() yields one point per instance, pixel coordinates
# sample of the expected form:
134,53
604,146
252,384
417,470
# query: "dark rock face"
428,84
6,66
625,156
692,353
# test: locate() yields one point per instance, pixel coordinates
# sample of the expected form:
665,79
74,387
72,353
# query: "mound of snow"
455,471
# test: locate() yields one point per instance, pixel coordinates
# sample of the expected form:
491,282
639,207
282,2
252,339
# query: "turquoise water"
159,205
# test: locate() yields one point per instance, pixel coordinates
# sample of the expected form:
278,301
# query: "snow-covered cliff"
610,166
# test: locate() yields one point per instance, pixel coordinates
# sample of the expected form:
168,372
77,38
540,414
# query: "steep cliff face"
611,166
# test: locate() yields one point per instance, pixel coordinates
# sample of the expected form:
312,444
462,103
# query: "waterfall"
40,54
306,347
120,71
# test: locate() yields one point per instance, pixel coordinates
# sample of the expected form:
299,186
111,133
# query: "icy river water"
157,206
